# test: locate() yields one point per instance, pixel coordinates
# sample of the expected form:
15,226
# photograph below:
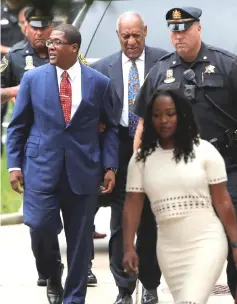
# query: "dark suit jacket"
111,67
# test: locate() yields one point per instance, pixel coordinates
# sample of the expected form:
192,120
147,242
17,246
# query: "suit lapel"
116,75
52,94
87,85
86,82
149,60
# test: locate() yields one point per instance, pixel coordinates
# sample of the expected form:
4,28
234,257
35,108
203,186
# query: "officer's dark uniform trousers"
149,272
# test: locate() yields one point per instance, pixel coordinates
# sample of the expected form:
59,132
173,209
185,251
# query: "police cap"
180,19
38,18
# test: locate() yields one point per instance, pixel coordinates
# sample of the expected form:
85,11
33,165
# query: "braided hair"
186,135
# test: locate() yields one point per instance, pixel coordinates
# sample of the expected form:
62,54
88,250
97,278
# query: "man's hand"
109,182
101,127
13,99
17,181
9,93
4,49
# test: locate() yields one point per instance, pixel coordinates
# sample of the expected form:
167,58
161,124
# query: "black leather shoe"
149,296
54,287
42,282
91,278
123,298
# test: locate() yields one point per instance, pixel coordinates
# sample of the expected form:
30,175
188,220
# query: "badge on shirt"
210,69
169,77
29,63
4,64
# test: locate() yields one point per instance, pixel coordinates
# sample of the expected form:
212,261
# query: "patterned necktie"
133,89
66,96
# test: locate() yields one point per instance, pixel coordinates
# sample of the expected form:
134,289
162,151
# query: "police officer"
206,74
24,57
10,34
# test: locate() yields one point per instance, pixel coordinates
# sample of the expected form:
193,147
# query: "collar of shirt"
73,71
125,59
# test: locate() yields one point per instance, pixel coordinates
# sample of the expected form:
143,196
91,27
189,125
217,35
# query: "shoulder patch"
82,59
166,56
4,64
224,52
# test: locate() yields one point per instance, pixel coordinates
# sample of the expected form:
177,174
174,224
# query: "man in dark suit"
53,151
127,70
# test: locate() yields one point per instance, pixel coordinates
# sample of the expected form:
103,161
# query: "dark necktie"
66,96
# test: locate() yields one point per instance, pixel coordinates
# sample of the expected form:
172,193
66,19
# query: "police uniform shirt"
20,59
216,73
10,30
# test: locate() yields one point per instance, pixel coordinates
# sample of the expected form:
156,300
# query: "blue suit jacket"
39,142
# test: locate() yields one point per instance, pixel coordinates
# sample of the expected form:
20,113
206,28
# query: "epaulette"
224,52
166,56
18,46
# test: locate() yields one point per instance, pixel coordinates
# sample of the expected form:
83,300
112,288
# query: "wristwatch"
234,244
111,169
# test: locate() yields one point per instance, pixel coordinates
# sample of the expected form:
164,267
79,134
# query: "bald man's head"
131,32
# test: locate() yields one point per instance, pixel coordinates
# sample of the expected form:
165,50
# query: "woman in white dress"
184,178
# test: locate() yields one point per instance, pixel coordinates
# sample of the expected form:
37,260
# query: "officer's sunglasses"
56,43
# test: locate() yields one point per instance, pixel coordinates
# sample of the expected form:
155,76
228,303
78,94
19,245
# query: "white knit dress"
191,245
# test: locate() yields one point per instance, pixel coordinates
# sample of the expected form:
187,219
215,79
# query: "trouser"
42,214
149,267
149,270
55,248
231,268
93,248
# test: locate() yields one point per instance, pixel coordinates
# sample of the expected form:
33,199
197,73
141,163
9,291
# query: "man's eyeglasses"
55,43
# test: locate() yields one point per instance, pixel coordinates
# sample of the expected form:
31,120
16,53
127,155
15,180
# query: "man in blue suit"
53,152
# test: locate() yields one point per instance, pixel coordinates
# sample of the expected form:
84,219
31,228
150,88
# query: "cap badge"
210,69
29,63
169,77
176,14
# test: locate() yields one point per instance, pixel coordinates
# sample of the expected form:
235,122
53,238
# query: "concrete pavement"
18,274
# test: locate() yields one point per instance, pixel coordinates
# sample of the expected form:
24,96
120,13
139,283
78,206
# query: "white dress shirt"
126,65
75,78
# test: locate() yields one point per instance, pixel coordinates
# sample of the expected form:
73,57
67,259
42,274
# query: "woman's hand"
130,262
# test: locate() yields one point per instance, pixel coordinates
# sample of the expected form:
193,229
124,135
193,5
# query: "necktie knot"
65,75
